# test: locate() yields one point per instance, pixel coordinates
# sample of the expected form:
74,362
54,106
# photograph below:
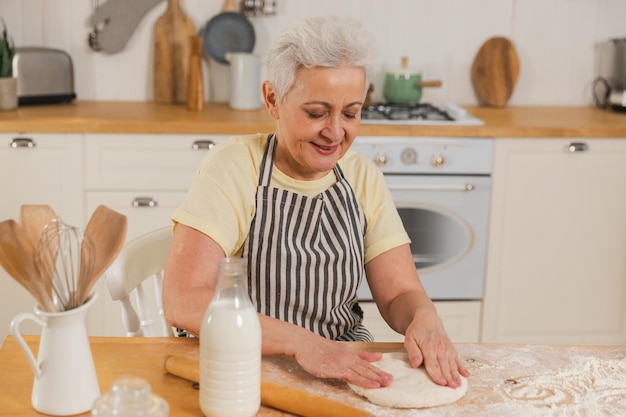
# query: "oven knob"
437,160
409,156
380,159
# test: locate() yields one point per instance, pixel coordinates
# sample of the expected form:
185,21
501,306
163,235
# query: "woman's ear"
271,100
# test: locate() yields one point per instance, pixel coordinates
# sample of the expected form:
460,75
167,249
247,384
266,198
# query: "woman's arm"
405,306
190,278
188,286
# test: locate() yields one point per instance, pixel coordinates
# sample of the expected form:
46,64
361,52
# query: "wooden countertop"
148,117
507,380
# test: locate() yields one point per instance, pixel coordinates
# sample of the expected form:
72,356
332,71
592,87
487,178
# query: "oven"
441,188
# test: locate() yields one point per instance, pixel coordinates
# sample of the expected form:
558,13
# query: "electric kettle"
610,92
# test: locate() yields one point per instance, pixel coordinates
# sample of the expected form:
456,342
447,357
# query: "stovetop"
420,114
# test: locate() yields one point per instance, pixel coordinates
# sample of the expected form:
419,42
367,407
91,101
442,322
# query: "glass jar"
130,397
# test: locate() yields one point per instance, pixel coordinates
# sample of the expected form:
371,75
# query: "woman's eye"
350,115
315,115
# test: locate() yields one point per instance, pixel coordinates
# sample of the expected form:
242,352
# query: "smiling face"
318,119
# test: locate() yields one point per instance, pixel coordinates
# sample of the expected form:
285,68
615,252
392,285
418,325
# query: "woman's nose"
334,129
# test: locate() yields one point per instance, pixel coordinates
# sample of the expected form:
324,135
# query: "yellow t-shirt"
221,199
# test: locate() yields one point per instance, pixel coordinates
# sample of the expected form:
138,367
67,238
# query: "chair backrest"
141,263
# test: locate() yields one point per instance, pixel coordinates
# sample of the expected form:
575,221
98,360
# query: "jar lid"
130,397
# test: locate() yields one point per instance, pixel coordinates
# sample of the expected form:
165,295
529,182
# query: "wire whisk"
63,256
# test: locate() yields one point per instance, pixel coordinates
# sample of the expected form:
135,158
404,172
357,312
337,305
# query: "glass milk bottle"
230,347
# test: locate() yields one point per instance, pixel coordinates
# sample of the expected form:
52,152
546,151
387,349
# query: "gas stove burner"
394,111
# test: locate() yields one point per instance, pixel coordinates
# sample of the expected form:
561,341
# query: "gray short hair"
322,41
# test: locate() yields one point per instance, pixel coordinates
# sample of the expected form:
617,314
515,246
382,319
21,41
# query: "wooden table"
507,380
113,358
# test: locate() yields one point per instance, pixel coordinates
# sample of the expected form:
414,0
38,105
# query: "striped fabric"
305,256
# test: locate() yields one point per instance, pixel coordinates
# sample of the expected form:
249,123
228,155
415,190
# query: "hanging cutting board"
172,32
494,72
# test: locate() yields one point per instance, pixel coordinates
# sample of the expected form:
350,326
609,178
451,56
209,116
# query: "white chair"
141,263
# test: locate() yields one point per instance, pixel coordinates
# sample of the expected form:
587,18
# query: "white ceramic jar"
245,80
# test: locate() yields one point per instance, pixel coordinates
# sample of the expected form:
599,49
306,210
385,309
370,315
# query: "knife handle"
273,395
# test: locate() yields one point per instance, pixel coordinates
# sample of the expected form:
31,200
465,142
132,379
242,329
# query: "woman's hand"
321,357
406,307
330,359
427,343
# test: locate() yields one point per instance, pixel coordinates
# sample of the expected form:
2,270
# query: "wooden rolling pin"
273,395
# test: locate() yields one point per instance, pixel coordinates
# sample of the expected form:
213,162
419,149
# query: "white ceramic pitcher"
65,377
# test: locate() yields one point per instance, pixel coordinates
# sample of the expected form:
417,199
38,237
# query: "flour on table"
411,387
588,387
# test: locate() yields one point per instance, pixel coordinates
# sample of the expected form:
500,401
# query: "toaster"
44,75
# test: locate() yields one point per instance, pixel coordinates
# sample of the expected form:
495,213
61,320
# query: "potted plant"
8,84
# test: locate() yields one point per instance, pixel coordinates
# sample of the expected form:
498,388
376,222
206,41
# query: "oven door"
446,218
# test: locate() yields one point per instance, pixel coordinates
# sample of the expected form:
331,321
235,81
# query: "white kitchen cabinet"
145,177
37,169
556,269
460,318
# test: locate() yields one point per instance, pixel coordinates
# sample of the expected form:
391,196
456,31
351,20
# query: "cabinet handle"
145,202
203,144
22,143
576,147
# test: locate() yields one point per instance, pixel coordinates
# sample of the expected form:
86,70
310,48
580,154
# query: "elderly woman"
311,218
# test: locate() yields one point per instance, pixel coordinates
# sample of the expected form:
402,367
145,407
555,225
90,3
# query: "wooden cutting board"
494,72
172,32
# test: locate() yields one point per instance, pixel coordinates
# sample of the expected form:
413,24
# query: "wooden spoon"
17,258
107,232
33,218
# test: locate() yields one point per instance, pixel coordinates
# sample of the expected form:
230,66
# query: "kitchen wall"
557,42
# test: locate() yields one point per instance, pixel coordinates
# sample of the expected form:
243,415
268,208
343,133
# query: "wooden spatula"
106,230
171,54
33,218
17,258
494,71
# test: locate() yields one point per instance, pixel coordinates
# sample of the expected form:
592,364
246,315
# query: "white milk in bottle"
230,347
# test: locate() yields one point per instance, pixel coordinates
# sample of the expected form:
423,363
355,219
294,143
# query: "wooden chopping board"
172,48
495,71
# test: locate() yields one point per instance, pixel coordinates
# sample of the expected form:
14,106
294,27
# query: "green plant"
7,51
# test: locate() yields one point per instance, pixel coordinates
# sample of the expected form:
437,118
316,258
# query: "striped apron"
305,256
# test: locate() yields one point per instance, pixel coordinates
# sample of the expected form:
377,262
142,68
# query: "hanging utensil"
92,37
227,32
107,230
17,259
495,71
229,6
115,21
171,54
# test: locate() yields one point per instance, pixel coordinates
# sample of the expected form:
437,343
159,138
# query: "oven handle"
433,187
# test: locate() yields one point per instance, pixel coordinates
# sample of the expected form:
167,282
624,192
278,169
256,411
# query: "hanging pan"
227,32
